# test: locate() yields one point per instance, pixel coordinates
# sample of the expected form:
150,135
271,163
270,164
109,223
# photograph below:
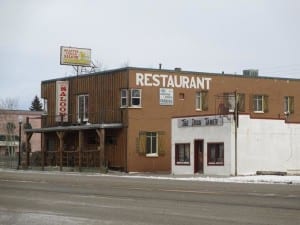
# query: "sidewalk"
266,179
259,179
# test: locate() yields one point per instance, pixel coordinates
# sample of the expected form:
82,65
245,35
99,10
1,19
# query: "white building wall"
267,145
262,145
207,134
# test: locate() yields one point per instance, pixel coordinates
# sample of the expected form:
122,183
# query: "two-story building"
174,121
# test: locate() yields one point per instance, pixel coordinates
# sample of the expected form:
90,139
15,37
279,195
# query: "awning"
75,127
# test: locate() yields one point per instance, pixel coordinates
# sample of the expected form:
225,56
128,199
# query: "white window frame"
124,97
135,97
45,106
85,107
256,105
152,136
287,104
199,101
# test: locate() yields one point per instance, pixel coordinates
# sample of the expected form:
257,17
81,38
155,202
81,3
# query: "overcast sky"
203,35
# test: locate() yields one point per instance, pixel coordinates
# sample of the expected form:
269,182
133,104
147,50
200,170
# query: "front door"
198,150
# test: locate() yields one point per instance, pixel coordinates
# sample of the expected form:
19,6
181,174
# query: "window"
260,103
181,96
124,98
201,101
182,154
45,108
151,143
83,103
241,102
229,102
215,154
288,104
198,101
136,97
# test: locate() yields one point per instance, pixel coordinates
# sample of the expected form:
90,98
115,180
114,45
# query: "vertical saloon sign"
75,56
62,92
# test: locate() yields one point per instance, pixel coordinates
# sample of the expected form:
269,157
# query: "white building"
207,145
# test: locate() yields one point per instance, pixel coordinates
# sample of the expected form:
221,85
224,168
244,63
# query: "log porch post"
80,144
60,135
101,135
43,150
28,148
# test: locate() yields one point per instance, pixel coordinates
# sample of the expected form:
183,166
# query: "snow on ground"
270,179
266,179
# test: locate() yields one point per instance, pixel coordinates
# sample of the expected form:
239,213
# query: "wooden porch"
69,146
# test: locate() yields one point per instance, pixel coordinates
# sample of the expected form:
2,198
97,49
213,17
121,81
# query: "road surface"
81,199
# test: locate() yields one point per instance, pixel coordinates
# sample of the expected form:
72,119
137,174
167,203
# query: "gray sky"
203,35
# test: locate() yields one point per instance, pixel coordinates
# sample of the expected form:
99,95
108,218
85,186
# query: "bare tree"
125,64
9,103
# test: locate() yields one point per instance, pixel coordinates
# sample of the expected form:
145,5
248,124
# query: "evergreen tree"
36,104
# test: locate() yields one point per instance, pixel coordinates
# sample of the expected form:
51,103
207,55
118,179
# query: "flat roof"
169,71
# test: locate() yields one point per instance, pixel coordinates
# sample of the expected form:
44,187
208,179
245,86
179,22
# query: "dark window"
124,98
136,97
83,103
110,140
181,96
182,154
215,154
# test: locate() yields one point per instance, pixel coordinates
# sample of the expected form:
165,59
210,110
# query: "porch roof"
75,127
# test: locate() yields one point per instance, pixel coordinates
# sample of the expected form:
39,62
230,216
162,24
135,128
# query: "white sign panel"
75,56
200,121
62,93
166,96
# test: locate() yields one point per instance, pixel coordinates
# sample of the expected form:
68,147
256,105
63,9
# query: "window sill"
134,107
259,112
199,110
215,164
182,163
155,155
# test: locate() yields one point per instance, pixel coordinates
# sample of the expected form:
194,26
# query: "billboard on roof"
75,56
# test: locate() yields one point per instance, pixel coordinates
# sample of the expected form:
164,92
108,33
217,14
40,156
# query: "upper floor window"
260,103
124,98
45,106
201,101
288,104
229,102
131,98
136,97
83,106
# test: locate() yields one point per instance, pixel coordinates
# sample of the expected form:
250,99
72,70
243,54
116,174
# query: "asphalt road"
48,199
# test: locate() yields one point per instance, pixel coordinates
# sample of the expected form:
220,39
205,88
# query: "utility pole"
235,130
